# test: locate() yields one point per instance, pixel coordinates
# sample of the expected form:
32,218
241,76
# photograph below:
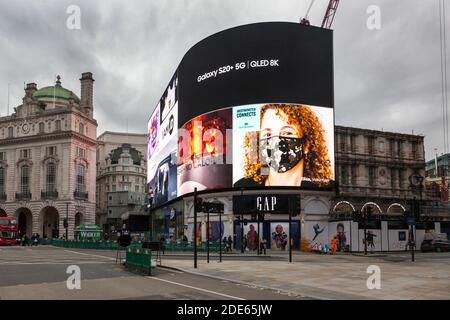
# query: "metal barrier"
188,246
81,244
139,259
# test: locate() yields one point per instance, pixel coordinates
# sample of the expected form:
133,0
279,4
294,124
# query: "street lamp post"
207,235
220,235
149,207
67,221
195,228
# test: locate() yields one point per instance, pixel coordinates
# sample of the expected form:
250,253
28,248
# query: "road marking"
92,255
195,288
14,263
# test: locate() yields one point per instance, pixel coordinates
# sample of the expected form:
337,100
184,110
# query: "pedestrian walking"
230,243
334,244
263,246
225,243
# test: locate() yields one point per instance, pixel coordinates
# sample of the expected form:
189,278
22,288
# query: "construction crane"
329,14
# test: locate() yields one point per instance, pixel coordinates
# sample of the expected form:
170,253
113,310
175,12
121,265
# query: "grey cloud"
387,79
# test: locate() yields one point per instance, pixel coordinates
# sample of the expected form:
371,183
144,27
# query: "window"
113,187
354,174
393,178
353,143
2,180
136,188
10,132
344,174
51,151
137,180
51,177
81,128
81,152
41,127
400,148
401,175
2,156
81,170
392,147
58,125
370,145
25,153
113,178
25,179
342,139
414,150
371,176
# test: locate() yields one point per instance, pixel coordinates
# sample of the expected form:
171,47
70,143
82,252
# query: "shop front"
266,217
167,222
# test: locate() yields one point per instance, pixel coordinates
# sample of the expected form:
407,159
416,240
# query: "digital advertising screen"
249,107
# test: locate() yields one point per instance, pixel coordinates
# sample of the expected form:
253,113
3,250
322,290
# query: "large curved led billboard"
248,107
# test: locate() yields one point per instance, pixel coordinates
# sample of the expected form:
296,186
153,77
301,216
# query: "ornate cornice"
48,137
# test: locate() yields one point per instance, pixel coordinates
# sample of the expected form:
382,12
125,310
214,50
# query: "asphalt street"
40,273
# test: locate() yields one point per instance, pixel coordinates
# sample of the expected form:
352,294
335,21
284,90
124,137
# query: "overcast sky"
385,79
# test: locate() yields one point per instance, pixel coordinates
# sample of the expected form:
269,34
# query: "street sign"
411,221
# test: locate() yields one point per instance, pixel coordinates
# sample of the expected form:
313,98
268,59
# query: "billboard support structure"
207,235
220,236
290,232
195,228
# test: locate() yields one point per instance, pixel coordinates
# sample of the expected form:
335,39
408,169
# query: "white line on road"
14,263
92,255
195,288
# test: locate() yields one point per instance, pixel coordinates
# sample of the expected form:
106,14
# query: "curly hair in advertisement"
317,165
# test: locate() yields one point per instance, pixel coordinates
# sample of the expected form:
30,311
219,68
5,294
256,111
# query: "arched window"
51,177
81,128
10,132
41,127
81,182
25,179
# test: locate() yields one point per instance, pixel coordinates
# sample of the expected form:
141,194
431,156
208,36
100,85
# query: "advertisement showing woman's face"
280,142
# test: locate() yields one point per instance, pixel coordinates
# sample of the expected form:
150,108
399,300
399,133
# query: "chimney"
87,93
30,89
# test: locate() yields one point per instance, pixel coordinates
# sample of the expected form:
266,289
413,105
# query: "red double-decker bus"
9,231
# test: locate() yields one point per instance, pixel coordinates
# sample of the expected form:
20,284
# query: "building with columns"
47,159
121,176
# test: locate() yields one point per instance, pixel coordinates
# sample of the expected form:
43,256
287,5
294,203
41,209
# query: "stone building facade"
379,167
121,174
47,159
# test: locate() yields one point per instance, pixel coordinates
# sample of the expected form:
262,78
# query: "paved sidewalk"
334,277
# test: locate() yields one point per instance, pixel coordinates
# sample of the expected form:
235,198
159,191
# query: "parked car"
436,245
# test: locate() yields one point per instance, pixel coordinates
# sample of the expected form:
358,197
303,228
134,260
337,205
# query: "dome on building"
57,91
128,149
